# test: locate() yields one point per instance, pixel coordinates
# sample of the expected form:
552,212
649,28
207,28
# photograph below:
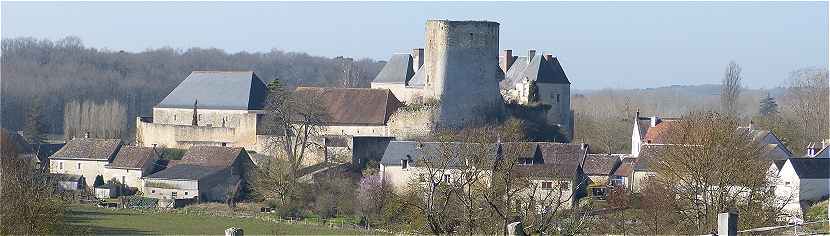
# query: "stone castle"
460,69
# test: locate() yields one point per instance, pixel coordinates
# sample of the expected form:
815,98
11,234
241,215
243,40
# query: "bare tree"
712,168
731,88
807,99
295,118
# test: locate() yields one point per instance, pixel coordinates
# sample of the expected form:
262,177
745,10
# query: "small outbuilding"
205,173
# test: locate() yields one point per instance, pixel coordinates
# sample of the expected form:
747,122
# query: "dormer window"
404,164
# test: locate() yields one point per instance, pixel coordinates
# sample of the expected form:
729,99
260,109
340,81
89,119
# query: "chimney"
507,54
417,58
548,56
654,121
530,54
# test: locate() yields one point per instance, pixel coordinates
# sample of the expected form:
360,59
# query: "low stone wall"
408,123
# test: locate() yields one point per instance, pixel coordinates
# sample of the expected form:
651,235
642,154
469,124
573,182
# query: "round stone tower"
462,70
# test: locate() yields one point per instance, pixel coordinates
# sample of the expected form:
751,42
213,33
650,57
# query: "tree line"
56,73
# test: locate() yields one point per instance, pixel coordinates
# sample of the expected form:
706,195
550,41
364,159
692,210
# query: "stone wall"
462,70
408,123
559,97
169,129
402,93
163,188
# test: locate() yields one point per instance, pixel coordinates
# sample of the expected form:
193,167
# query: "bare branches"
731,88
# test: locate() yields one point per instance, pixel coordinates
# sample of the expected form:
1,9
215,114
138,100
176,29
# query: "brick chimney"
417,58
507,54
548,56
530,54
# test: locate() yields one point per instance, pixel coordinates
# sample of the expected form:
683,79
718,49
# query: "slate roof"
648,154
419,79
133,157
185,172
600,164
355,106
419,151
539,69
88,149
237,90
811,168
398,70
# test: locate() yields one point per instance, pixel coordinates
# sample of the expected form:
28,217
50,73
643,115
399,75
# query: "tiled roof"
659,134
240,90
355,106
212,156
133,157
398,70
811,168
88,148
626,167
185,172
600,164
649,154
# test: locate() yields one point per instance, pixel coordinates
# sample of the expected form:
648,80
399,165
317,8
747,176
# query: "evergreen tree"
768,106
34,129
195,121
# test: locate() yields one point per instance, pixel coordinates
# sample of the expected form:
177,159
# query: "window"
185,193
174,117
79,166
787,183
61,165
123,179
563,185
153,191
557,98
173,195
547,185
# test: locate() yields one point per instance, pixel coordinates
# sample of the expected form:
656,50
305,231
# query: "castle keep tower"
462,70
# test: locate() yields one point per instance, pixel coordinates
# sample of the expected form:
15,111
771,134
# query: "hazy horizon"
600,44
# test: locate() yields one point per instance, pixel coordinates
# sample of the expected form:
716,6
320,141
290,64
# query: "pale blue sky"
600,44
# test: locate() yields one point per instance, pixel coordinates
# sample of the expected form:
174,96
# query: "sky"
600,44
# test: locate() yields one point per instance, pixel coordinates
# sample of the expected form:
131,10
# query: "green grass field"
128,221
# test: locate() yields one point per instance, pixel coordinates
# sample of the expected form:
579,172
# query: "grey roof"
89,149
419,79
398,70
811,168
185,171
539,69
239,90
559,159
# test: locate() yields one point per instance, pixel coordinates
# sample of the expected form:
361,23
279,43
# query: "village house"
599,168
87,157
132,163
354,111
204,173
623,175
553,168
802,181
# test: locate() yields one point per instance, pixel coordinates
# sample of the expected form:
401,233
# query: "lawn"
129,221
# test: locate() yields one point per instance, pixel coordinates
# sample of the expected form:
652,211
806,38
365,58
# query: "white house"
87,157
131,164
205,173
804,181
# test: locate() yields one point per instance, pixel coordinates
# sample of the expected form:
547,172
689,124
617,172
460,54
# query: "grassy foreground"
128,221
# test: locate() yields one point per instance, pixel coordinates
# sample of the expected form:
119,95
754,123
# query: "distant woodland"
84,83
78,89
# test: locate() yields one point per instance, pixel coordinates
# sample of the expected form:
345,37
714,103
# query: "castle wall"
407,124
171,127
402,93
559,97
462,70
